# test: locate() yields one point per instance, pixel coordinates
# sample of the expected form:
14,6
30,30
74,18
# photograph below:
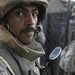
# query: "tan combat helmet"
6,5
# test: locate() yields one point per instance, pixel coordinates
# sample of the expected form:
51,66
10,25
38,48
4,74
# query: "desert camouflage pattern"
67,61
6,5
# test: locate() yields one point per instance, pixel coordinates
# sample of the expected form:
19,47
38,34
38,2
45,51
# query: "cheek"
14,22
15,27
36,20
15,30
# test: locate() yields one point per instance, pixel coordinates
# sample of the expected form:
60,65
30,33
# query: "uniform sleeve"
3,69
67,61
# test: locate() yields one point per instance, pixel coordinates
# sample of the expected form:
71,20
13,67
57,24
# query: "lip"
30,33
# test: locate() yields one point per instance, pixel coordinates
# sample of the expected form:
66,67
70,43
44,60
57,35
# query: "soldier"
67,61
19,51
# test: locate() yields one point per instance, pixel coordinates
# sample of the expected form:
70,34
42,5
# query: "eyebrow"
22,7
34,9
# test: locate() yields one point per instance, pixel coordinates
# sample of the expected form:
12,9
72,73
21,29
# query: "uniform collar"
30,52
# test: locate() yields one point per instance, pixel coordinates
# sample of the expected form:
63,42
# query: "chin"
26,42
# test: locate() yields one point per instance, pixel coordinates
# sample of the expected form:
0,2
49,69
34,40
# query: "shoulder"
3,68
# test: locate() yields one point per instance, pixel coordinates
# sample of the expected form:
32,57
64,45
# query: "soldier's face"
22,22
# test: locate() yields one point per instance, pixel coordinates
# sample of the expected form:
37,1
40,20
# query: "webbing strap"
7,64
8,59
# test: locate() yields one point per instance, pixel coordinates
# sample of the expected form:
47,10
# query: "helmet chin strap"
9,29
38,29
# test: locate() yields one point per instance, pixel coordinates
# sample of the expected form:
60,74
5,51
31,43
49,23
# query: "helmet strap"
8,27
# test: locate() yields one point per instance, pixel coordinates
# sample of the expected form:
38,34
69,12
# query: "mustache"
29,28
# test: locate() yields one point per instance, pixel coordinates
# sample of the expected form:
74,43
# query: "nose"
30,19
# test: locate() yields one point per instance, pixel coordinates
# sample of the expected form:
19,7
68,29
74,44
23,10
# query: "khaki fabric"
30,52
67,61
24,54
17,66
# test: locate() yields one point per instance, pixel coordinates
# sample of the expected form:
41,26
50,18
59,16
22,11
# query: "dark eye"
19,13
35,14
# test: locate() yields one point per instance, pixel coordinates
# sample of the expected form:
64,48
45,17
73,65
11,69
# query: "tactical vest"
14,62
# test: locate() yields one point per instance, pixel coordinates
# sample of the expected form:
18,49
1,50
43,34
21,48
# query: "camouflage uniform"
16,58
67,61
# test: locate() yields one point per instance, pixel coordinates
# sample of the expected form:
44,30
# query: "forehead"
30,8
26,7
